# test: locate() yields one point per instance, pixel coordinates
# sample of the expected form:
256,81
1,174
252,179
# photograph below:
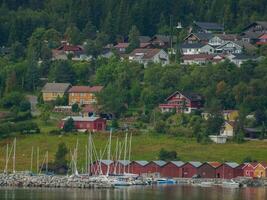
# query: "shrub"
167,155
24,106
55,132
12,99
68,125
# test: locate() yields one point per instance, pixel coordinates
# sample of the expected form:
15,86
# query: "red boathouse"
190,169
228,170
138,167
172,169
154,166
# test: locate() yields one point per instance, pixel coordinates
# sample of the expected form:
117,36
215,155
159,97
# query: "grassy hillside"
144,146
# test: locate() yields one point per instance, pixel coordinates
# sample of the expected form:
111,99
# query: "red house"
228,170
154,166
190,169
248,169
101,167
262,40
138,167
172,169
207,169
121,166
182,102
86,123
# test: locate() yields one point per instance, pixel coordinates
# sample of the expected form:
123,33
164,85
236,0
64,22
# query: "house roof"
81,119
262,23
245,45
264,36
215,164
144,39
145,53
228,37
56,87
85,89
195,163
243,57
66,47
201,56
141,162
201,36
252,34
163,38
106,162
159,162
122,45
209,25
190,95
177,163
124,162
191,45
232,164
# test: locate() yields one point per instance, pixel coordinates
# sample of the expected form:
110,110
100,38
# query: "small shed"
190,169
228,170
249,169
207,169
154,166
101,167
172,169
138,167
260,170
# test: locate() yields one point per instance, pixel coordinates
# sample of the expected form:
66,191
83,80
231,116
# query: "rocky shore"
28,180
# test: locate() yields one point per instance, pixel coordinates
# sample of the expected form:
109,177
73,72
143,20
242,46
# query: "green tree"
69,125
167,155
75,108
133,39
73,34
62,72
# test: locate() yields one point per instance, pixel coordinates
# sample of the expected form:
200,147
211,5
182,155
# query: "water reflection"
176,192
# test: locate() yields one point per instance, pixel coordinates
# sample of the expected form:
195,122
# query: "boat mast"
130,148
37,161
14,155
109,149
31,158
116,155
6,159
125,151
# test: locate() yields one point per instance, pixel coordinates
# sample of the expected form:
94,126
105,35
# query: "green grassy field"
144,147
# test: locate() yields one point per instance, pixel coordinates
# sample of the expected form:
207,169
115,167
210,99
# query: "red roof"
198,57
122,45
85,89
70,48
264,36
215,164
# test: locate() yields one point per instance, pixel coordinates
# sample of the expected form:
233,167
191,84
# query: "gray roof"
195,163
81,119
245,45
124,162
243,57
232,164
191,45
178,163
106,162
204,36
141,162
56,87
144,39
159,162
209,25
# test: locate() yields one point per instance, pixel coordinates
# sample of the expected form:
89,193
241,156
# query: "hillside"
144,147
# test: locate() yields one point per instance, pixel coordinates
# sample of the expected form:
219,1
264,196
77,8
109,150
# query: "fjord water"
174,192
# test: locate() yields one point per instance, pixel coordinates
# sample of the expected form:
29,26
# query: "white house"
196,48
145,56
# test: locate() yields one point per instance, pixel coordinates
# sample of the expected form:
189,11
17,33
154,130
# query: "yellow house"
51,91
260,170
230,115
228,129
83,95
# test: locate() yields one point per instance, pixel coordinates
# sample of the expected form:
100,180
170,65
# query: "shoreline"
23,180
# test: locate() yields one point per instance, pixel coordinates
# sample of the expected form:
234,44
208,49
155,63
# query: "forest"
19,18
